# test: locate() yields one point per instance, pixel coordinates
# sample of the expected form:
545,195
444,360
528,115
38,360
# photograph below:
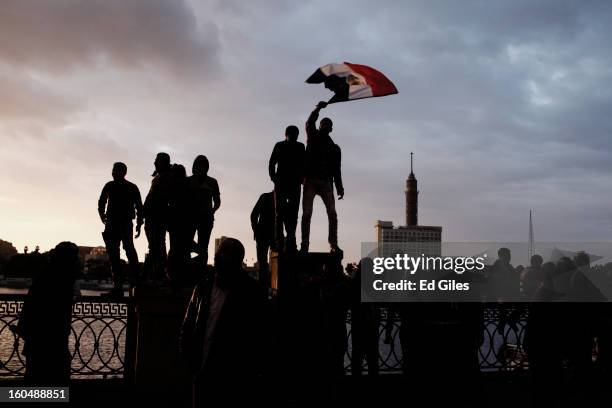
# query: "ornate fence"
96,343
501,348
99,330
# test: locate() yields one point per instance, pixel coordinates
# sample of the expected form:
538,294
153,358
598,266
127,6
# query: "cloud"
24,99
505,104
60,35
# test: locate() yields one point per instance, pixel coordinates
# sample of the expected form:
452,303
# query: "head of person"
162,162
291,133
536,261
504,255
64,262
200,166
178,171
119,171
228,261
326,126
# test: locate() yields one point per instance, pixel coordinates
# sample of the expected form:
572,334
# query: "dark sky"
505,104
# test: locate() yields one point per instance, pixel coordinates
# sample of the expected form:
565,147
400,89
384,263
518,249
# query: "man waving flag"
352,81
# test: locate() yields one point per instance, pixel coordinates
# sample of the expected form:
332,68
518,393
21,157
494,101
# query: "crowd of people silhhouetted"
180,206
226,321
176,205
183,207
568,336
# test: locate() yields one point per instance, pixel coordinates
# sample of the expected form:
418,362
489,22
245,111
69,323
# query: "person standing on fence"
322,171
118,205
156,209
206,202
179,228
262,223
46,318
286,169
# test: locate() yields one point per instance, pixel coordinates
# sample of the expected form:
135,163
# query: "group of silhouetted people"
180,206
227,325
176,204
298,172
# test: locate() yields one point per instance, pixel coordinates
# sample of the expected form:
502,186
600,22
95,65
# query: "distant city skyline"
505,104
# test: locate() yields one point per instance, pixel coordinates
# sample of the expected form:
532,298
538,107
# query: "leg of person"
307,202
173,253
280,202
263,245
112,238
131,254
156,235
327,194
204,230
291,213
163,253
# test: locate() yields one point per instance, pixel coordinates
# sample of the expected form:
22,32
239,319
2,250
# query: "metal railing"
501,349
100,328
97,341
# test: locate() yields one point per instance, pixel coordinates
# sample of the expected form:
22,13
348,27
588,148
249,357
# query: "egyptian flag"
352,81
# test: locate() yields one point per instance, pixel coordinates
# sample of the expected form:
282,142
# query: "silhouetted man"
505,279
222,333
179,226
118,205
533,277
506,285
46,319
322,171
286,168
262,223
207,200
156,209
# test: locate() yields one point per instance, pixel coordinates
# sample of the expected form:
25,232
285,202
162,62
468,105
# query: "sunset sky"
506,105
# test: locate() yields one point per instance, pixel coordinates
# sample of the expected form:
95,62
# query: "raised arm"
311,123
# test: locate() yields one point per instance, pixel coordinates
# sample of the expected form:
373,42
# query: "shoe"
304,248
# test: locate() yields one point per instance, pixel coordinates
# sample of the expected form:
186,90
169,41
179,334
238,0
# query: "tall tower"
530,250
412,198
